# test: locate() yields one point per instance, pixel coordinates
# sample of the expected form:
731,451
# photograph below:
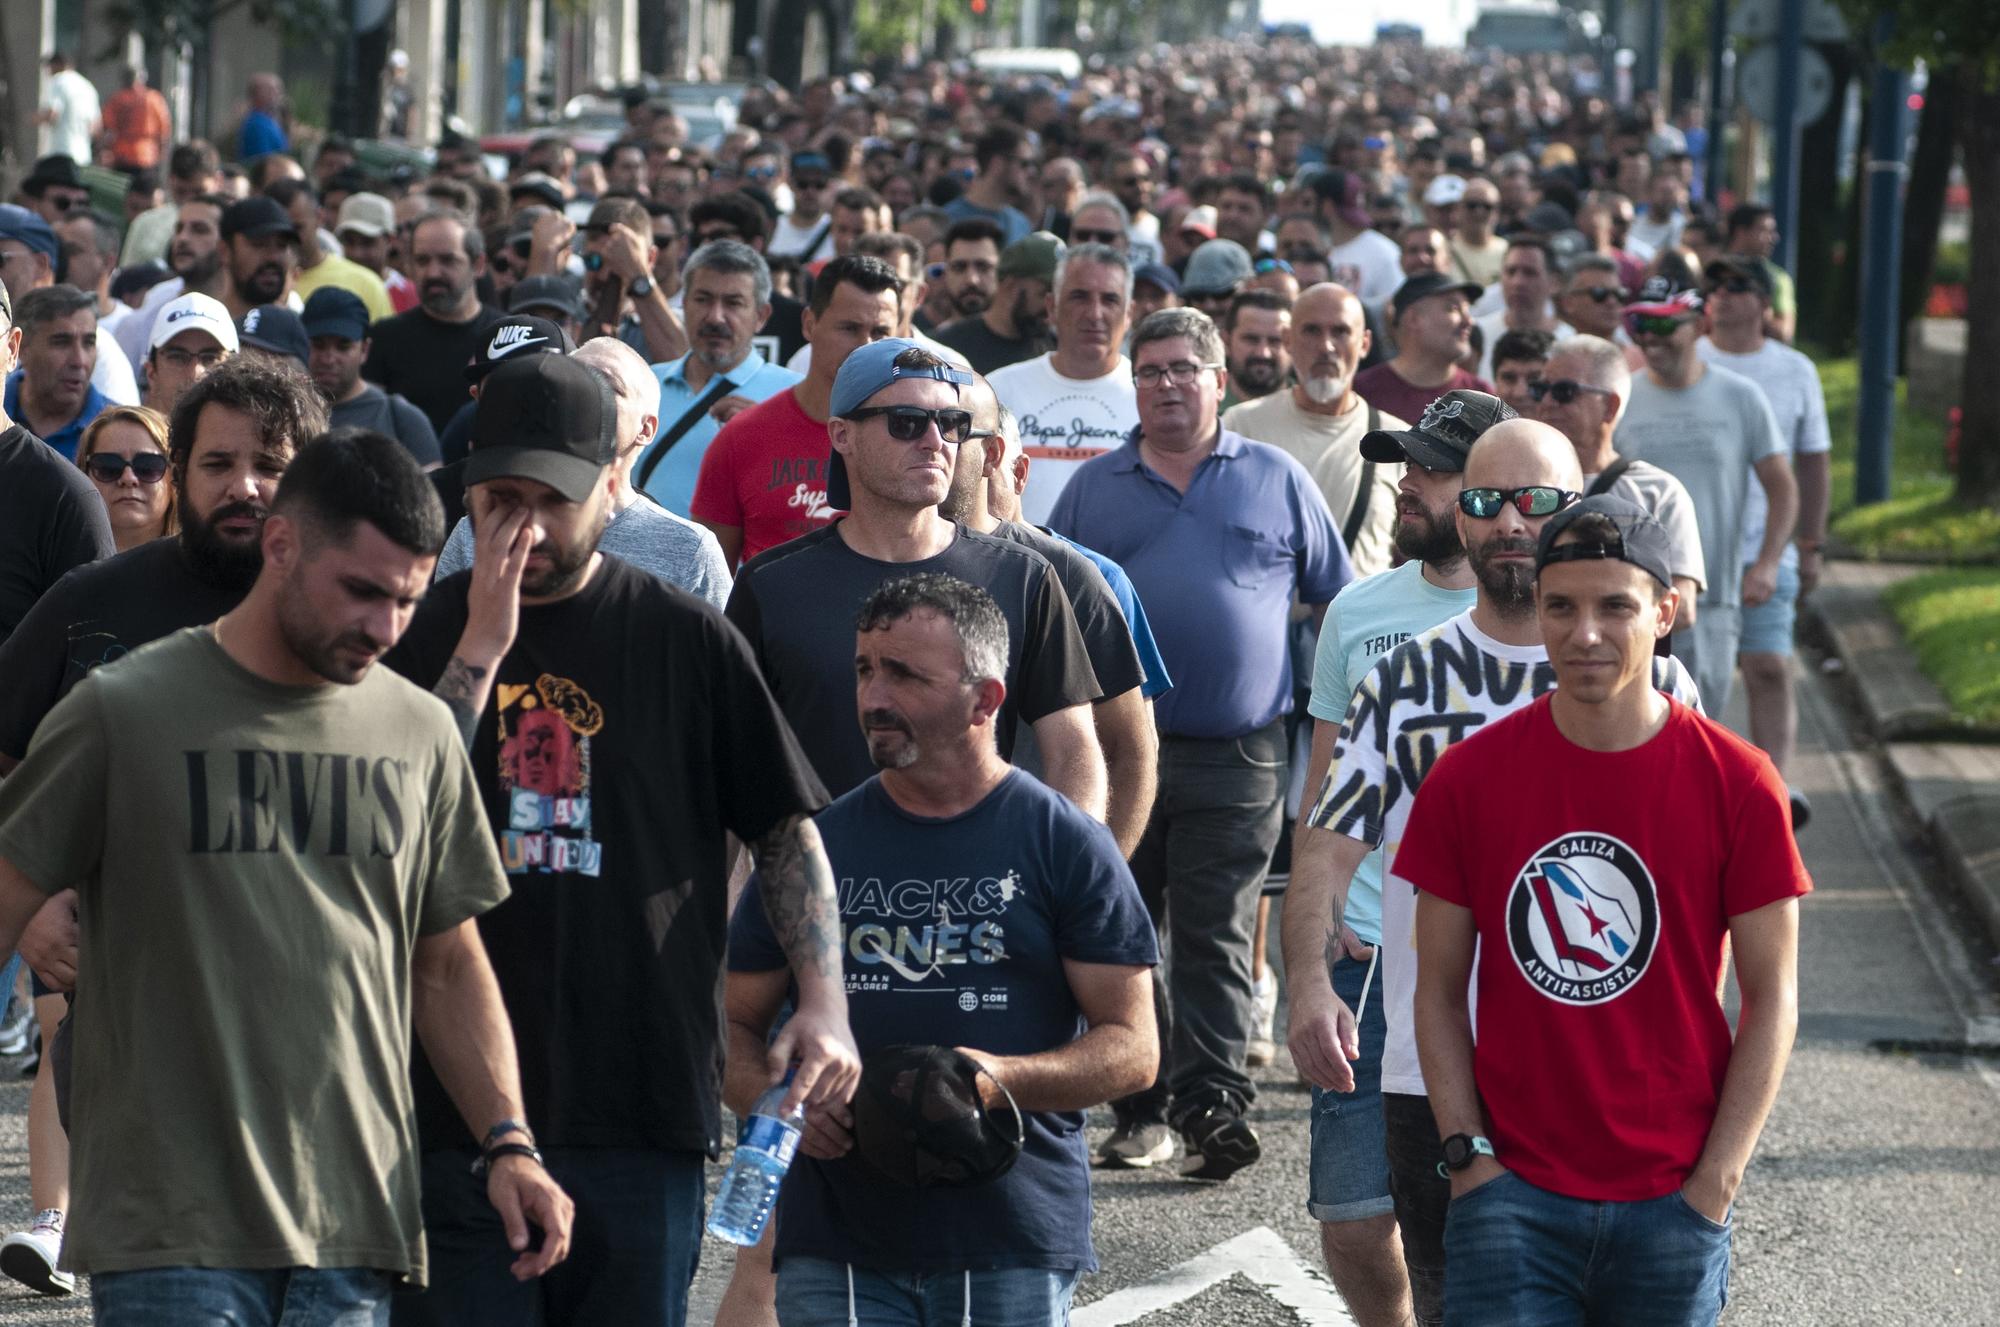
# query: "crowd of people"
924,570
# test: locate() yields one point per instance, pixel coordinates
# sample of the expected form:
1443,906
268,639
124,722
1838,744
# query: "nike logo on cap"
507,340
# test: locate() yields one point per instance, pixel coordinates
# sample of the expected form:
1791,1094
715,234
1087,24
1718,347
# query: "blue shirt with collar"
1218,567
66,438
670,481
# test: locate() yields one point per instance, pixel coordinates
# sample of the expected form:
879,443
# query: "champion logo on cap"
507,340
191,312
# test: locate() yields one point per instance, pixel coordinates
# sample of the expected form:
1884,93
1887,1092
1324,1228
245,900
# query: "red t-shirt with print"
1602,884
765,472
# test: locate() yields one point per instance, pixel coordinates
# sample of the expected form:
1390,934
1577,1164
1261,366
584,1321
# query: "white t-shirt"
1494,326
1064,422
1440,687
74,100
1369,265
1791,385
1143,239
1329,447
787,238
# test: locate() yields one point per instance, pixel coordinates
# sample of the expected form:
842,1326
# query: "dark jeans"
1421,1195
632,1253
241,1297
1523,1255
1199,868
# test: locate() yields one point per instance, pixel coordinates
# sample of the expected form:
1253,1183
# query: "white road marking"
1260,1255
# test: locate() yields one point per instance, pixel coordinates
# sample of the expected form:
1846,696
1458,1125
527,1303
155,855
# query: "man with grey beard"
1320,420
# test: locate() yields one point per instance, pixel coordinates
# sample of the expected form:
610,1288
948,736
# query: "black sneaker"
1219,1141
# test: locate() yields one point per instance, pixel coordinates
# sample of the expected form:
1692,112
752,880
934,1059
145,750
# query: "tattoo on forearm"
460,689
799,898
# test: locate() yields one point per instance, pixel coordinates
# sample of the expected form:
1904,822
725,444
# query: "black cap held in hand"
547,418
920,1122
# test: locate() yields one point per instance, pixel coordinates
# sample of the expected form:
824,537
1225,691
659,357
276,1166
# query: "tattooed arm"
796,885
492,616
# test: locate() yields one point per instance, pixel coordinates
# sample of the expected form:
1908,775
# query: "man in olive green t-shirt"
282,851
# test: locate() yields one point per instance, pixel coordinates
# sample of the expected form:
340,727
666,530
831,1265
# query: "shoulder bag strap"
1612,474
1358,513
717,389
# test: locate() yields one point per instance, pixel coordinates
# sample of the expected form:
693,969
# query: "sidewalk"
1948,776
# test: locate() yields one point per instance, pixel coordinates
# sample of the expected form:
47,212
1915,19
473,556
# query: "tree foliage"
165,24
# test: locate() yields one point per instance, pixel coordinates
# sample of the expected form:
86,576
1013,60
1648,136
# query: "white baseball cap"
366,214
194,313
1445,191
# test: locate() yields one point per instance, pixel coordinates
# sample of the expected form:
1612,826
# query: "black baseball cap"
1441,439
57,168
920,1121
1642,540
257,216
1426,284
334,311
547,418
559,293
275,328
517,336
1746,266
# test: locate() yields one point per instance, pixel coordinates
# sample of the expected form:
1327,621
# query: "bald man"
1320,420
1436,688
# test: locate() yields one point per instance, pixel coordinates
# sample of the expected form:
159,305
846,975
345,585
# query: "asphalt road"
1874,1198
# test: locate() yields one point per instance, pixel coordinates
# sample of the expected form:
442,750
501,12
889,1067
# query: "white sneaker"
1264,1017
30,1256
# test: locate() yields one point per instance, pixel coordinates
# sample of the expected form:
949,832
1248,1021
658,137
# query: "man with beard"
278,1113
1254,332
1416,699
260,246
1320,420
620,294
971,266
336,326
422,354
195,256
670,743
727,297
1015,323
1077,401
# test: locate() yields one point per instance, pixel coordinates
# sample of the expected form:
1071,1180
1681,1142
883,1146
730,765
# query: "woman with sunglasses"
124,451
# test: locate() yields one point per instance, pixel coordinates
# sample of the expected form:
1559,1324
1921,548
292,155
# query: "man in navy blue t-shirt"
979,910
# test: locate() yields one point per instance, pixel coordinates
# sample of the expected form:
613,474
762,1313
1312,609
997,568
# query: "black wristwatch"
1461,1148
641,288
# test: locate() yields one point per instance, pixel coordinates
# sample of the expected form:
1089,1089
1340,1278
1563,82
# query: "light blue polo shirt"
1371,618
671,481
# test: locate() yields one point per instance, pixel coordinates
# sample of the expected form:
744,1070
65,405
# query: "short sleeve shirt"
1394,394
1064,422
51,520
1329,447
670,474
765,474
1790,382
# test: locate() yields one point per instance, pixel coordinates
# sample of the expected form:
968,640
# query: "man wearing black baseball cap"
1430,316
55,186
336,326
513,336
260,247
274,330
1586,921
620,733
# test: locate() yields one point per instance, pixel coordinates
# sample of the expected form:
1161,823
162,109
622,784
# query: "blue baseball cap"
332,311
1158,274
864,373
26,227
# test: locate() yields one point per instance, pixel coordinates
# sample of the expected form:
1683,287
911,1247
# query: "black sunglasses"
108,467
1564,390
1094,236
1601,294
1736,285
1533,500
908,422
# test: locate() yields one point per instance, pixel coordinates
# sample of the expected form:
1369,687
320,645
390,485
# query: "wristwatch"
1461,1148
641,288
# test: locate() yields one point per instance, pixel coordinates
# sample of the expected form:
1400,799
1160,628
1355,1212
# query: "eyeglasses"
1095,236
1600,294
1534,500
1653,324
181,359
1476,207
908,422
762,172
107,467
1180,373
1736,285
1564,390
1273,265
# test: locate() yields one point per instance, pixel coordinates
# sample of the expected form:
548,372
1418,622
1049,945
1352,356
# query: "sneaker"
1220,1142
17,1027
1263,1018
1137,1145
1801,810
30,1256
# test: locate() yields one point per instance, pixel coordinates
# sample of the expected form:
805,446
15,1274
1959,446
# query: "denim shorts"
818,1292
203,1296
1350,1165
1767,627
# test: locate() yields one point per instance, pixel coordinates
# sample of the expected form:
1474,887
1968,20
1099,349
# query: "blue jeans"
632,1254
1530,1258
1350,1161
815,1291
233,1297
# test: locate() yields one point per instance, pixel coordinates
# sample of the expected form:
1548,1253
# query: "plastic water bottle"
763,1154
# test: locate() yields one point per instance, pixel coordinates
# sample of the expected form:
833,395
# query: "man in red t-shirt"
1582,863
1431,317
763,479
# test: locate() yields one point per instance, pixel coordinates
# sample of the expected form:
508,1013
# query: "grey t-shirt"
393,415
1708,436
646,535
1667,498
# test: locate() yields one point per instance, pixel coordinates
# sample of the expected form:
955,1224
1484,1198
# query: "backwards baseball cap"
1665,296
517,336
366,214
332,311
547,418
25,227
275,328
862,374
194,313
1641,540
921,1122
1442,437
1034,255
1426,284
256,217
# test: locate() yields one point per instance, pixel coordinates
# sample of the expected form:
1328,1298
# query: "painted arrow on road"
1261,1256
